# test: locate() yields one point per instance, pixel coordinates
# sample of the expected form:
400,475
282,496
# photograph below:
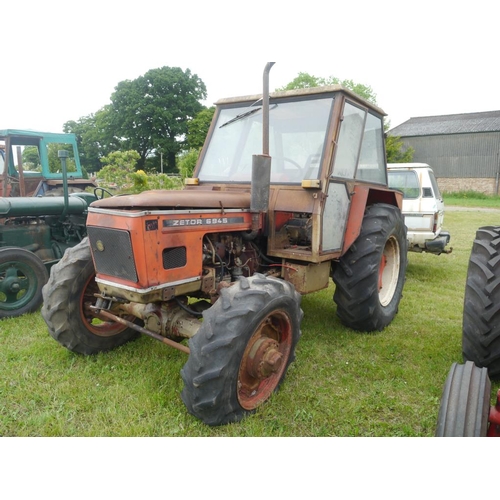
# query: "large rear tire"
22,277
67,297
465,402
241,353
481,318
369,278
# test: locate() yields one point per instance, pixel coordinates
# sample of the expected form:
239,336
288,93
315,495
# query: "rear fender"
361,197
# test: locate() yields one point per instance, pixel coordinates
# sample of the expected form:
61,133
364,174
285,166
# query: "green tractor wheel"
22,277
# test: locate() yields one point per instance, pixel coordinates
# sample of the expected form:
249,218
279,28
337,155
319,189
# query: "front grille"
112,251
174,257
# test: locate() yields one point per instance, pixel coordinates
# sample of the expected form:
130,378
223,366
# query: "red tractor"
222,264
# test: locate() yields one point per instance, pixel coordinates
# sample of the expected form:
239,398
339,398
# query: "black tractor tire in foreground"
481,318
241,353
370,276
67,297
22,277
465,403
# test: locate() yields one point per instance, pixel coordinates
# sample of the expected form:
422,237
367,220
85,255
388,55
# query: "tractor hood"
177,200
41,206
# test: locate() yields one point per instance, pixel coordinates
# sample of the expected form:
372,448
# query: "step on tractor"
46,216
289,190
465,409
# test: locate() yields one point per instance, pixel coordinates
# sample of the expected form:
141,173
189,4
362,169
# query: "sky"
62,60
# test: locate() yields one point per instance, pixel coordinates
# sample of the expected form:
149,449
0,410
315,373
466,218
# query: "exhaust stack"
261,164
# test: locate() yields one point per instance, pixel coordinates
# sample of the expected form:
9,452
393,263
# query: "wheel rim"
389,271
98,326
18,285
264,360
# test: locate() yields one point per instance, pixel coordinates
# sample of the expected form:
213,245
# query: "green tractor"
43,211
29,164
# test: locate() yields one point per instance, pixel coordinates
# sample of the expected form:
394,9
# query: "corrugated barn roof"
465,123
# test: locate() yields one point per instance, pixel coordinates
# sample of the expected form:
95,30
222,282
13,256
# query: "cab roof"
327,89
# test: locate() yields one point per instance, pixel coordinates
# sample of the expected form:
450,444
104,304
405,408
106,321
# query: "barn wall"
459,156
454,184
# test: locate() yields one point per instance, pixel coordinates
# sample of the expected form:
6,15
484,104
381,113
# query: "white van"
423,206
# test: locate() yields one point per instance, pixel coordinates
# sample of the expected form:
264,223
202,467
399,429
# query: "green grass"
342,383
471,199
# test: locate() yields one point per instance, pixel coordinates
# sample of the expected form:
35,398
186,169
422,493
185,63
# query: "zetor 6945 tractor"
224,262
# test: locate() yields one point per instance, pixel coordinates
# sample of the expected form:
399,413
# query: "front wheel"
241,353
68,295
22,276
465,403
369,277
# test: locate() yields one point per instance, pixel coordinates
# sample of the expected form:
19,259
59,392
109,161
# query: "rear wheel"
68,296
22,276
369,278
241,353
481,318
465,402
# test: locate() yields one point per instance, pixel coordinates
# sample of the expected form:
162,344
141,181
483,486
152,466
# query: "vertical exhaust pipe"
62,155
265,110
261,164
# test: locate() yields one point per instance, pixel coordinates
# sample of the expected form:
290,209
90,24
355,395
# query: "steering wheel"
102,191
289,176
292,162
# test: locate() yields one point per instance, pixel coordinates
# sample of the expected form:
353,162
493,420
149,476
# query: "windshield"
297,131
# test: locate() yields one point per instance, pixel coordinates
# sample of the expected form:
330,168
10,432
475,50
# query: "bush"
119,169
145,182
120,174
187,162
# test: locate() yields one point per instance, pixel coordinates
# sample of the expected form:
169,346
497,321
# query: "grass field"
342,383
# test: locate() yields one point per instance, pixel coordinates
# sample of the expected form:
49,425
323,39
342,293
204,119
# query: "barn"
462,149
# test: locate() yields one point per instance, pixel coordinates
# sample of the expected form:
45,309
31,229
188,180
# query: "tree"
393,145
198,128
395,151
94,138
305,80
55,165
152,112
31,158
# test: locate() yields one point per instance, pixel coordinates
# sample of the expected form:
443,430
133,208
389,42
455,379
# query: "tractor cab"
30,165
328,160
